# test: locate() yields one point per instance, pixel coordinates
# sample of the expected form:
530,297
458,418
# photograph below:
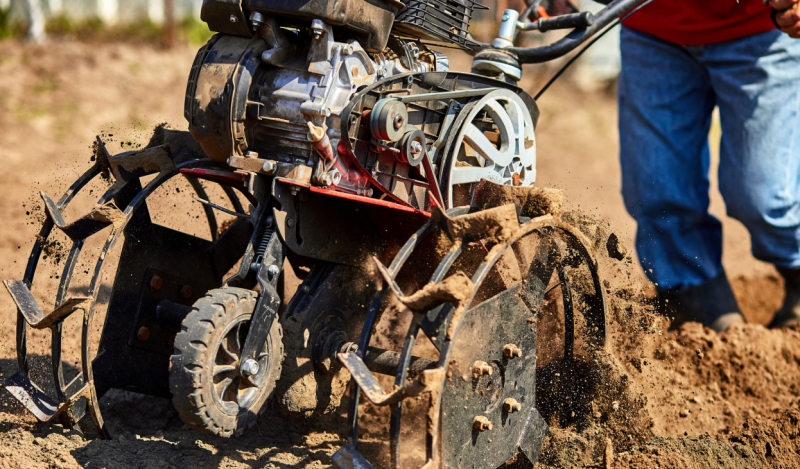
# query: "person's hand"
788,16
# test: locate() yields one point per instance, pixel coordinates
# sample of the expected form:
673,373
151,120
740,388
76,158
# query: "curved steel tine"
210,215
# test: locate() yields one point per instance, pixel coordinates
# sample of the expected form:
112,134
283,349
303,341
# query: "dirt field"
686,398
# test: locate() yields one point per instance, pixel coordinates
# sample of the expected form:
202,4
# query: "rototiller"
345,144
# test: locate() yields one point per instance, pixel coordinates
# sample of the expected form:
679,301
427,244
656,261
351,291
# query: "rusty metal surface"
29,307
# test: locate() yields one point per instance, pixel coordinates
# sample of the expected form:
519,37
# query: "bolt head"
143,334
186,291
505,17
156,283
250,367
481,423
234,19
511,351
481,368
416,147
511,405
273,270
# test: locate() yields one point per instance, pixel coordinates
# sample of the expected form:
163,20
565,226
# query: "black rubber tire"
196,348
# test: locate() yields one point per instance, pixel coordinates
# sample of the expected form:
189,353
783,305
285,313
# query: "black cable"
585,48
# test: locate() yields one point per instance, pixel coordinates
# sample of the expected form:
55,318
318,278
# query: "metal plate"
481,336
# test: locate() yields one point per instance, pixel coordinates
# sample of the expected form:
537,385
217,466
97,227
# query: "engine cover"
249,98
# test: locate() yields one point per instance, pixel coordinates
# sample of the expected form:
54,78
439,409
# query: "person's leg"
665,106
757,81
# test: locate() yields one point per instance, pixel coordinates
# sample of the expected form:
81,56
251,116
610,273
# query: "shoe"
710,303
789,314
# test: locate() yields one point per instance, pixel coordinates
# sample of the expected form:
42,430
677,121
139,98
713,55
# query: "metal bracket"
269,300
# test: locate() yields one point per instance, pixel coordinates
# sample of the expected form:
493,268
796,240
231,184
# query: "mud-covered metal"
185,267
497,328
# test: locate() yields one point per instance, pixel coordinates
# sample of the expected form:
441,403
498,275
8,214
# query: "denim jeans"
667,94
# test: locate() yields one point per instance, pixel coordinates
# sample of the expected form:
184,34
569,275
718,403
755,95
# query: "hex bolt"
317,28
273,270
143,334
156,283
416,147
481,423
512,351
480,368
250,367
268,167
511,405
186,291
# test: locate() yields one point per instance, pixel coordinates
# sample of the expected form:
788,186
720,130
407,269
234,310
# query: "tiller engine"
399,191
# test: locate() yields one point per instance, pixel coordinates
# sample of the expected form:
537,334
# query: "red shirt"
697,22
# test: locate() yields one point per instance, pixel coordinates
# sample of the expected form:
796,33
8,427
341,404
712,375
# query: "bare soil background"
702,399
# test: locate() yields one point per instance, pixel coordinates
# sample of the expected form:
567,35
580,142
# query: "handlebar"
584,30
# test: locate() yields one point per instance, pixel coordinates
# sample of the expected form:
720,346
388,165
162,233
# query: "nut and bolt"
250,367
317,28
234,19
273,270
416,147
481,423
480,368
268,167
511,405
186,291
512,351
256,19
143,334
156,283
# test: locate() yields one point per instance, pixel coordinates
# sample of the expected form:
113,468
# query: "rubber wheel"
207,390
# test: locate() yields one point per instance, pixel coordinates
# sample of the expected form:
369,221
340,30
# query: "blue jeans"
667,93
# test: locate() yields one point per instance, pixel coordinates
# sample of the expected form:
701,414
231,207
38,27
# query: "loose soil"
686,397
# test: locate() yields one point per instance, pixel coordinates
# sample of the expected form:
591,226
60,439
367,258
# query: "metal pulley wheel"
388,120
493,139
412,147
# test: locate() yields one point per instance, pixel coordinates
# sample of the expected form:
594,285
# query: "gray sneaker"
789,314
710,303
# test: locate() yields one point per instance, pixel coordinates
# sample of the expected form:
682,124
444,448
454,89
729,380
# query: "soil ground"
704,399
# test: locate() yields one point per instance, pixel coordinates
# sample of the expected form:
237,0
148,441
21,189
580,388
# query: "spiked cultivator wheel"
160,272
508,296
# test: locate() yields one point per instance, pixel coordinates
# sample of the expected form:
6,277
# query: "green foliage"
195,31
190,30
9,28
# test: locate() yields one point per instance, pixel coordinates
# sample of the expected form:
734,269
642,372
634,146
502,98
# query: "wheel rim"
506,156
232,391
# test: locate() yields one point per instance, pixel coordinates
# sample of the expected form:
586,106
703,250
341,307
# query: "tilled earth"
686,397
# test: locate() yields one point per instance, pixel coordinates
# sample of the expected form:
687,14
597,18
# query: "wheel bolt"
512,351
156,283
250,367
481,423
480,368
511,405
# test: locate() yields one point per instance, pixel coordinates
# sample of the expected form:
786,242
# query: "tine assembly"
30,309
100,217
35,400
